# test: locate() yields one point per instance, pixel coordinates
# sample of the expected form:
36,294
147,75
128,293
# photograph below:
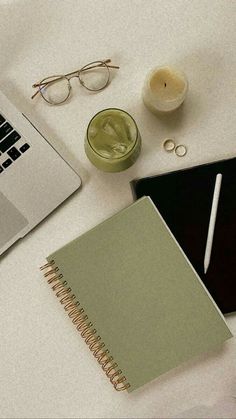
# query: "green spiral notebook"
134,297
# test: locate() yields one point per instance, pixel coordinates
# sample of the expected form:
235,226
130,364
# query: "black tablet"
184,199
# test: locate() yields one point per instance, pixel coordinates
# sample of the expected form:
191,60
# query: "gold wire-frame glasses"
94,76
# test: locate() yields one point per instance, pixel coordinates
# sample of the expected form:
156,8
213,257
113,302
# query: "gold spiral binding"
84,327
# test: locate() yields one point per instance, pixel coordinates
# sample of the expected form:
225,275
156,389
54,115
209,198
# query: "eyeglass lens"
95,78
56,91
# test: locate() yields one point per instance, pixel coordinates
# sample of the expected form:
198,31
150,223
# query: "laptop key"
1,169
9,141
2,119
14,153
24,147
5,129
7,163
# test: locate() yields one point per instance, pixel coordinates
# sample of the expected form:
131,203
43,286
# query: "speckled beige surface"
46,370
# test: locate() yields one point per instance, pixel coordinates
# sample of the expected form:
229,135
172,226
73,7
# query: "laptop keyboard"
9,138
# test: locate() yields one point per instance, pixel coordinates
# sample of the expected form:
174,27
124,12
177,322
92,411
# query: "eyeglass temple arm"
93,66
42,84
110,66
105,62
76,71
32,97
69,74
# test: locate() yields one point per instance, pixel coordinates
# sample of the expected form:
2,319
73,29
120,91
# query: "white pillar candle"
164,89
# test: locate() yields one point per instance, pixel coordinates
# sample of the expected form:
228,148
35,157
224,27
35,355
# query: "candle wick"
165,84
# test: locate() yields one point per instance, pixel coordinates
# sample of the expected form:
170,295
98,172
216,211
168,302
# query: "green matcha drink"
112,141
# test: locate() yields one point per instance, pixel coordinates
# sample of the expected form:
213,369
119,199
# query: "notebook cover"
184,199
141,293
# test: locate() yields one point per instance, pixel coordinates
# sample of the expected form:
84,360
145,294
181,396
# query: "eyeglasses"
56,89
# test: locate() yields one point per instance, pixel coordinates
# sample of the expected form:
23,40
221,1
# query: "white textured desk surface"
46,370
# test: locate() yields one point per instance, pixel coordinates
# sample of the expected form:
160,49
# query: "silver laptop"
34,178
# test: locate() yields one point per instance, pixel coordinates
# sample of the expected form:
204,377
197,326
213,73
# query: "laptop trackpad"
12,220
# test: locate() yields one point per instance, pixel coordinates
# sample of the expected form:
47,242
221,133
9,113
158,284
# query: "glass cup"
112,141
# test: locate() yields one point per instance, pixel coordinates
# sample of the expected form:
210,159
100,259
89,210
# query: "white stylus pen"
212,222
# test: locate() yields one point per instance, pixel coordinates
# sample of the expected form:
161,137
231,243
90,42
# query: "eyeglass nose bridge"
75,74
